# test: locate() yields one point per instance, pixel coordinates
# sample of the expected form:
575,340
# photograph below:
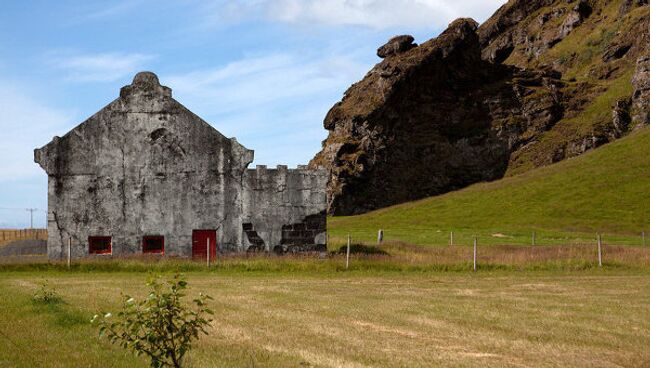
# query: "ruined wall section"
143,165
285,209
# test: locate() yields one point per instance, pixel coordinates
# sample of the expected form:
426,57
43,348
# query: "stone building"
146,175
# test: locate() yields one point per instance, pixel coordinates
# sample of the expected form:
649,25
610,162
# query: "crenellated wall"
285,208
147,166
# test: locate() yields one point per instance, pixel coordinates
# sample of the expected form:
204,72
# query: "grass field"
548,305
356,319
603,191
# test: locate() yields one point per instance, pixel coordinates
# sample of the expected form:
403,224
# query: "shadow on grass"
362,249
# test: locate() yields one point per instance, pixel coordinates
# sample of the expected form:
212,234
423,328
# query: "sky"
264,71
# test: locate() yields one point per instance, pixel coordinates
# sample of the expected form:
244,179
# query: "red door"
200,240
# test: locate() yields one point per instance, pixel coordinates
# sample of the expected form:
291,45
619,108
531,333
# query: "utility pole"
31,216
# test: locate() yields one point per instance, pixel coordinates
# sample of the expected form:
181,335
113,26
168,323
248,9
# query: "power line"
22,209
31,213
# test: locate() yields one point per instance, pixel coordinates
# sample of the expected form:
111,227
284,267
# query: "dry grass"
398,257
353,320
522,256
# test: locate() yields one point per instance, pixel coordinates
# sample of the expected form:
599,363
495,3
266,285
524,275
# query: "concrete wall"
145,165
285,207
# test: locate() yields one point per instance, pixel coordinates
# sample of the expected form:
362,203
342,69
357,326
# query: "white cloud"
114,9
25,124
105,67
275,80
265,101
377,14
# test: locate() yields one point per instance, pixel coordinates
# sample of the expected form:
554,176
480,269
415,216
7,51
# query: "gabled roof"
144,95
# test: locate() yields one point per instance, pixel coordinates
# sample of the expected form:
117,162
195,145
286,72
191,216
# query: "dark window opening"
153,244
100,245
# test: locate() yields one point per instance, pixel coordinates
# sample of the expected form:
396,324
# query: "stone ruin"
146,175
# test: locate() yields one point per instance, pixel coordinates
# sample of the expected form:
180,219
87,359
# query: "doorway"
200,241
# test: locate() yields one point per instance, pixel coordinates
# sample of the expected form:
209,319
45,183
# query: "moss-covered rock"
540,81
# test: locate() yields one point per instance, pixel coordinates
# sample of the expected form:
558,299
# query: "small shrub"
160,326
46,295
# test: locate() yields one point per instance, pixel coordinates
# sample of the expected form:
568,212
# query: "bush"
160,326
46,295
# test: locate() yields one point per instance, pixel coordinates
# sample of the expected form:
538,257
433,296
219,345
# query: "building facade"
146,175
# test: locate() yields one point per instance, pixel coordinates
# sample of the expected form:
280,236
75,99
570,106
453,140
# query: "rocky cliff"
540,81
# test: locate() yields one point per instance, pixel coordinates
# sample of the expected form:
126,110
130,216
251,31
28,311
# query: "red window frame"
147,250
94,248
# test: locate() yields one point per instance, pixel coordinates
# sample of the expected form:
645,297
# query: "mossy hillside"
603,191
588,77
565,89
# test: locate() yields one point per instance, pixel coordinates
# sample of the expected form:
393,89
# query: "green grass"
325,319
588,42
592,85
603,191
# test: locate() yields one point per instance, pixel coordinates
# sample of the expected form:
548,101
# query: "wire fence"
465,249
429,246
465,237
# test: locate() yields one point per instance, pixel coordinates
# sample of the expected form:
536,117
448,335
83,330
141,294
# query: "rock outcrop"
396,45
477,103
436,117
641,95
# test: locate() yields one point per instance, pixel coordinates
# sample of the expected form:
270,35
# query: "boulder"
396,45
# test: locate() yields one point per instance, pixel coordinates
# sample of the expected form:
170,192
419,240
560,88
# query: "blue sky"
264,71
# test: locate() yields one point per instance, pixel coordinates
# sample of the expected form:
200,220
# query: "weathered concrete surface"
146,165
286,207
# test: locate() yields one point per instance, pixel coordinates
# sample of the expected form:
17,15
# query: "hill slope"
606,190
539,82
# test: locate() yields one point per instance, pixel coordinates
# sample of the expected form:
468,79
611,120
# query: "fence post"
208,253
380,237
69,250
533,238
600,252
347,255
451,238
475,253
